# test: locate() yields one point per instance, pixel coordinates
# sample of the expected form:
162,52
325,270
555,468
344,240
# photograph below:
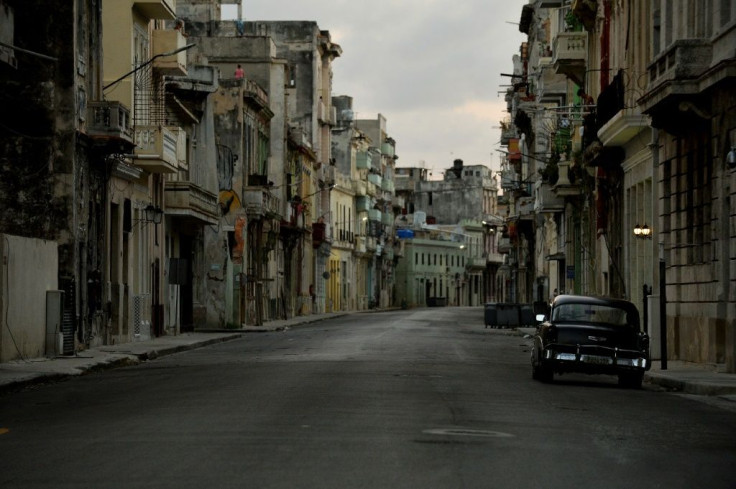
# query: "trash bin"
526,315
490,315
506,314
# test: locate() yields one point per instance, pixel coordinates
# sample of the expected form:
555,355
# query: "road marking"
467,432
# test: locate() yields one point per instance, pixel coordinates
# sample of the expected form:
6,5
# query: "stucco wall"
29,268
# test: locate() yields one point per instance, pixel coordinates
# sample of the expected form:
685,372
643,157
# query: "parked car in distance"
591,335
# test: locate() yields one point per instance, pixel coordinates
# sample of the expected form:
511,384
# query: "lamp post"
645,232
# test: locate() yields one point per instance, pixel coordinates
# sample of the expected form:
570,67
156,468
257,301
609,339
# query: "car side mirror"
540,318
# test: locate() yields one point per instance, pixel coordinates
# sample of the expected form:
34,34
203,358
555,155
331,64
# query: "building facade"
639,140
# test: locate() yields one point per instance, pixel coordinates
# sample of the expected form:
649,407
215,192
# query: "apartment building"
630,178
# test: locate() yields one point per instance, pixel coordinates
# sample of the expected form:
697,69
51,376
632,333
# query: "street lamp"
643,232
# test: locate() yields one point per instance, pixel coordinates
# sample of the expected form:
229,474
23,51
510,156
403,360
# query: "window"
726,13
591,313
656,27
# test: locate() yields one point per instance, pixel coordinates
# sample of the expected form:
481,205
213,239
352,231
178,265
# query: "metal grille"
68,319
138,304
149,99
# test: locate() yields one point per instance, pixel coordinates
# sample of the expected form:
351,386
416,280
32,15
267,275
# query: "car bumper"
596,360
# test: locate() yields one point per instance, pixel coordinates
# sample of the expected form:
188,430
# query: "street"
421,398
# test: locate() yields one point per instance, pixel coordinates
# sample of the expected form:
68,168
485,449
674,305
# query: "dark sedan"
591,335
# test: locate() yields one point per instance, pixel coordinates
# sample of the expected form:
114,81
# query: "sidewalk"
18,374
679,376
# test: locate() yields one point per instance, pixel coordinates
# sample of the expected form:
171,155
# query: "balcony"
259,202
619,118
359,187
108,124
157,148
508,132
371,243
375,179
570,54
387,219
676,78
363,160
387,149
156,9
164,41
256,97
387,185
362,204
476,263
504,245
187,200
545,200
374,215
360,245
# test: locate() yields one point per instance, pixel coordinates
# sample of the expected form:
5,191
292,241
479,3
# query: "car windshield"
590,313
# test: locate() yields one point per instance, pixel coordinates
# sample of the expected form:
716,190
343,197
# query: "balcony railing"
504,245
259,201
570,54
164,41
387,219
189,200
359,187
387,149
387,185
108,120
362,204
675,81
157,148
363,160
374,215
476,262
375,179
360,244
545,200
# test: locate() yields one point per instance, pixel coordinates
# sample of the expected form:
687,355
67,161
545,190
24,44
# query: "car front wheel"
542,373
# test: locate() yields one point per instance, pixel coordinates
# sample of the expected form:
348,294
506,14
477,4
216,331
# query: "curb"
698,388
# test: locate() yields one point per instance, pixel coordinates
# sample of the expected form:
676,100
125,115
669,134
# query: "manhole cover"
467,432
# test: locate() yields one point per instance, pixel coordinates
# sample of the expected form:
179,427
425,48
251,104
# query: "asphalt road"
424,398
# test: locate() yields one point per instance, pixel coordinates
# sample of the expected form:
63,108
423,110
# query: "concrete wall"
29,268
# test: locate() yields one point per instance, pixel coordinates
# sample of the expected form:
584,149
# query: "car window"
590,313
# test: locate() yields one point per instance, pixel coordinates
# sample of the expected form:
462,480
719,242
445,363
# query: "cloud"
431,67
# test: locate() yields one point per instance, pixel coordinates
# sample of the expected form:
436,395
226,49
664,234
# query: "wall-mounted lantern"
643,232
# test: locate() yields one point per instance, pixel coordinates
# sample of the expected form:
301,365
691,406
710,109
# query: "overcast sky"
431,67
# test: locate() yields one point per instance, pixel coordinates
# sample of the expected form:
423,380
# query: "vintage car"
592,335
